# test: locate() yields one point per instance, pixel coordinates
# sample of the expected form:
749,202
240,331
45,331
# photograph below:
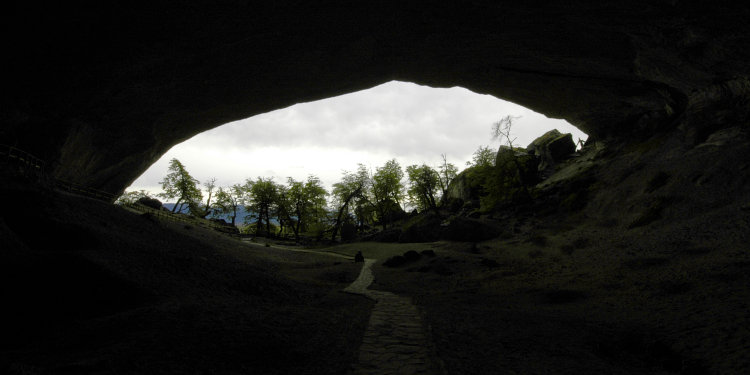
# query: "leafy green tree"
352,188
229,201
302,204
283,208
447,172
482,157
261,198
181,185
199,210
423,186
387,190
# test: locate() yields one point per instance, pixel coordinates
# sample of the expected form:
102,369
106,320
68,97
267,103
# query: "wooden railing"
31,166
27,162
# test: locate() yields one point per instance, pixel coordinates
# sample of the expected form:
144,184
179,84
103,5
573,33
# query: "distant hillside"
241,214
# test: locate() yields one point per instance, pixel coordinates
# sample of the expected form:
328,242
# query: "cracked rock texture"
101,92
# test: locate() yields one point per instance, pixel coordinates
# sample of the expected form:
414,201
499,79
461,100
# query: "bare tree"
501,130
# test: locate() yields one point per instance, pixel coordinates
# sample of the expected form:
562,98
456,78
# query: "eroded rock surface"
101,92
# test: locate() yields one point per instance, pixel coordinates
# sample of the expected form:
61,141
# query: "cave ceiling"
102,91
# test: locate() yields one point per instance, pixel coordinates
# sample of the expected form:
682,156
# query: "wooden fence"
166,215
33,167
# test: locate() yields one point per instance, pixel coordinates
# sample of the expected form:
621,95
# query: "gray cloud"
405,121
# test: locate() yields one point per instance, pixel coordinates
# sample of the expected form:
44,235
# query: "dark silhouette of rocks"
552,148
150,202
110,95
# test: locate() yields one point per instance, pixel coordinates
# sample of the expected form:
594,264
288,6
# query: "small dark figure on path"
359,257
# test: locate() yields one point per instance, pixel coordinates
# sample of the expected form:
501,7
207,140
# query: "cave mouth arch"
412,123
101,94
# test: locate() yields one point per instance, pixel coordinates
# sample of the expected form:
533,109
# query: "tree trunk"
341,212
207,211
175,205
268,222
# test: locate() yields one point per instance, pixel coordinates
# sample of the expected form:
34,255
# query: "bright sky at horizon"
411,123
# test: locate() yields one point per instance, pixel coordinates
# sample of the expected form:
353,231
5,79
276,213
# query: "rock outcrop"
551,148
102,92
150,202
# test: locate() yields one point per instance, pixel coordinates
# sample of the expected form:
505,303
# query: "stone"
561,147
542,140
423,228
552,148
508,163
150,202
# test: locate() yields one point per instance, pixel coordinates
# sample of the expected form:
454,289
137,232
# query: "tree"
447,172
423,185
482,157
351,188
306,201
316,216
502,130
181,185
283,208
261,199
387,190
229,201
195,206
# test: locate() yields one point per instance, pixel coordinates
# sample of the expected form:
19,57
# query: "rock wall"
102,91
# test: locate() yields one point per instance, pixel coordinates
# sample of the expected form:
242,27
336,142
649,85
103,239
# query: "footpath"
395,340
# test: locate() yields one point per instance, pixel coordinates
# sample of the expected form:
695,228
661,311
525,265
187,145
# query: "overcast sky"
411,123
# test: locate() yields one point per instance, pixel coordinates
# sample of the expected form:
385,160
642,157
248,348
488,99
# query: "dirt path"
394,342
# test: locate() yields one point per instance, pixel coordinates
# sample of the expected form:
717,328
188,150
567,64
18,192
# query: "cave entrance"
412,123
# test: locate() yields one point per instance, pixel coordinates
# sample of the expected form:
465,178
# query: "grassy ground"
548,301
101,290
650,277
646,272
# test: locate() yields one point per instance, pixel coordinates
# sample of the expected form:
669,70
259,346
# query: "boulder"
508,162
551,148
422,228
543,140
395,261
466,186
150,202
561,147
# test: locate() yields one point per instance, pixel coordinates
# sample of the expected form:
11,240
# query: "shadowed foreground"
113,292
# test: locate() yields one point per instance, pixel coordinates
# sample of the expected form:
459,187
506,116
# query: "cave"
99,92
